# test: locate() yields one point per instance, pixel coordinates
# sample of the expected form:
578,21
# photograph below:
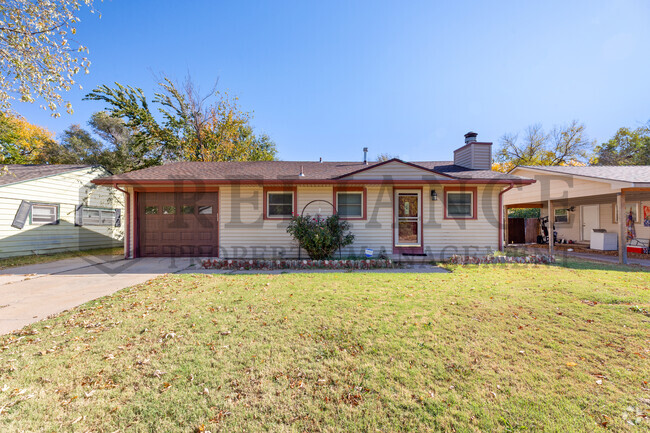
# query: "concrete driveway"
32,293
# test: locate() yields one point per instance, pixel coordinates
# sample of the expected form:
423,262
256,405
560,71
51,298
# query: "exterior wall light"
434,195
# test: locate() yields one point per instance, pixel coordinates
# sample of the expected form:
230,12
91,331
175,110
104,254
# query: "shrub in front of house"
320,237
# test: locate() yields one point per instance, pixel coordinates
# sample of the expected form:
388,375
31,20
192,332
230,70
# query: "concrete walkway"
32,293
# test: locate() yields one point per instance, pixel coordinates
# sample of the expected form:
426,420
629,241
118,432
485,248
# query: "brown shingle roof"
22,172
282,171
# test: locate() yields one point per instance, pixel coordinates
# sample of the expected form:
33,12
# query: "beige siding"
67,190
558,187
396,170
244,232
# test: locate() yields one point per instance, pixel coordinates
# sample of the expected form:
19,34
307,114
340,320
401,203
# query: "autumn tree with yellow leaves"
22,142
39,57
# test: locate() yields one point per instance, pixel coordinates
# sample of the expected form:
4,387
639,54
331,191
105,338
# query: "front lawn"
491,348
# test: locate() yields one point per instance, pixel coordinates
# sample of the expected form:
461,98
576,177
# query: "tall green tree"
627,147
38,58
192,126
565,145
115,148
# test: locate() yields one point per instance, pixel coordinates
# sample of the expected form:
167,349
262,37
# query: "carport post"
622,232
551,224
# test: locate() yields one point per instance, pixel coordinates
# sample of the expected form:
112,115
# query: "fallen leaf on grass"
571,364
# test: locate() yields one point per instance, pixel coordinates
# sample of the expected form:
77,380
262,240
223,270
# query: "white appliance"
601,240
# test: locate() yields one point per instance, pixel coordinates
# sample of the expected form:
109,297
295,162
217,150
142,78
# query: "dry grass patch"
492,348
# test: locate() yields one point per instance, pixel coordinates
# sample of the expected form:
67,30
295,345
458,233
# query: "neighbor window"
349,204
45,214
460,204
561,215
280,204
98,217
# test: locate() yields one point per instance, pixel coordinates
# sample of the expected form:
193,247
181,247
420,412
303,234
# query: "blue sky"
325,79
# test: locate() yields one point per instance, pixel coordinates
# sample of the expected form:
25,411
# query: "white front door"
408,218
590,217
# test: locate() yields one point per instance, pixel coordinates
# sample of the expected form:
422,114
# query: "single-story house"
242,209
53,208
581,199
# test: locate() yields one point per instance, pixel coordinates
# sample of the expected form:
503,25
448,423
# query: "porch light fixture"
434,195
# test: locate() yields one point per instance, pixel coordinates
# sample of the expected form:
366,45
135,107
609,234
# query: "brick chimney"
474,154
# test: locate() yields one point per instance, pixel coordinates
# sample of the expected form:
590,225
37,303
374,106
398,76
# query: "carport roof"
622,173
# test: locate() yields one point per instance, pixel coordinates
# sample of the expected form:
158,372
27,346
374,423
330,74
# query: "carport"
582,199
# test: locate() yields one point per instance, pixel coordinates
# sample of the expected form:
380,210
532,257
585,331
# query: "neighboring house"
52,208
242,209
582,199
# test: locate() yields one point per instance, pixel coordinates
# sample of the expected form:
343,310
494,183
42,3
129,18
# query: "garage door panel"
204,236
185,224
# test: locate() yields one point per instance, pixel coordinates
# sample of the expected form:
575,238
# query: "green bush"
320,237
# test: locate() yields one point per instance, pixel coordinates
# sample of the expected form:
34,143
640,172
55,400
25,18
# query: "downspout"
128,220
512,185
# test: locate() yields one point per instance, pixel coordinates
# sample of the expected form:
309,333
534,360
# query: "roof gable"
396,169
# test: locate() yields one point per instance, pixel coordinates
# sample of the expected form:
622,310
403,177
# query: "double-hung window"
460,204
279,204
561,215
349,204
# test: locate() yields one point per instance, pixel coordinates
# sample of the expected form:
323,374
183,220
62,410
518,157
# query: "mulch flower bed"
487,260
247,264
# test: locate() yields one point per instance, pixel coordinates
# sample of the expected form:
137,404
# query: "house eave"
261,182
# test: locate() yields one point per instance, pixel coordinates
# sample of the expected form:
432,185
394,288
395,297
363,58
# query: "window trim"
364,202
100,209
636,204
58,214
467,189
555,221
267,190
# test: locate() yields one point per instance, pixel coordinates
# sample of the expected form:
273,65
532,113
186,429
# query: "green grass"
35,259
503,348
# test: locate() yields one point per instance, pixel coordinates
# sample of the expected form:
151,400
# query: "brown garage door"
178,224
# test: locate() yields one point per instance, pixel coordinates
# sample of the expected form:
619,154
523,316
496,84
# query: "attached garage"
178,224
